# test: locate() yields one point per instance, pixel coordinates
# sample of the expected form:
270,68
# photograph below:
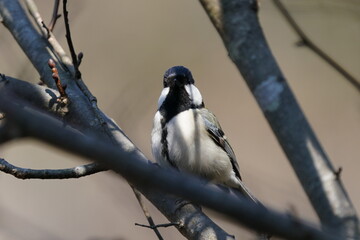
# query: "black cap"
180,73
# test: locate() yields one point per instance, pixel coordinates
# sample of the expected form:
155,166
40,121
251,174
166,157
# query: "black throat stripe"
177,101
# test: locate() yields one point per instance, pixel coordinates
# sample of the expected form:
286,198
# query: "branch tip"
164,225
74,57
338,173
80,57
55,15
47,29
61,88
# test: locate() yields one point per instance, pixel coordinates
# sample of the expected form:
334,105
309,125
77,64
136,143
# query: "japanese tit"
188,137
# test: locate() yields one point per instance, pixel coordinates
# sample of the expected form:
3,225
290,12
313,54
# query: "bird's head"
179,93
178,76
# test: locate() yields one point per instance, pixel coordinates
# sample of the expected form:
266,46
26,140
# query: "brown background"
127,47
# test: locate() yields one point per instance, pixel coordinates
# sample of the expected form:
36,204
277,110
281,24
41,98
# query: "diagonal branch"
55,15
306,41
148,177
84,113
238,25
26,37
191,216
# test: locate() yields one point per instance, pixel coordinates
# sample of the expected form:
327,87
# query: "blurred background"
127,46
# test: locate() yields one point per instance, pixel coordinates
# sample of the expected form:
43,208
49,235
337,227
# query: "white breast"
190,147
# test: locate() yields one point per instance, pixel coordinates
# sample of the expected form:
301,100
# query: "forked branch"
238,25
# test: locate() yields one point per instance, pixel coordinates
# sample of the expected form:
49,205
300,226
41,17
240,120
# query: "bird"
188,137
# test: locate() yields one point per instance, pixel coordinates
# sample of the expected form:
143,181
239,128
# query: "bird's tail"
246,192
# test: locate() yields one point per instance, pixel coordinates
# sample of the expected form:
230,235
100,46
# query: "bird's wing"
216,133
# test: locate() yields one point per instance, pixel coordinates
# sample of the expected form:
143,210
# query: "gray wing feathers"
215,132
214,129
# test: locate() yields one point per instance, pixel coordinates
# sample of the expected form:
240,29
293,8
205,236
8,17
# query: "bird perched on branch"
188,137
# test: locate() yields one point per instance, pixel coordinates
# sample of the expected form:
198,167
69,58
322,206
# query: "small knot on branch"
47,29
63,99
3,78
338,173
80,57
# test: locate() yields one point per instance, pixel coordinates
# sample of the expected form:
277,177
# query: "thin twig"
146,213
306,41
70,42
27,173
47,30
55,15
76,60
57,48
63,96
164,225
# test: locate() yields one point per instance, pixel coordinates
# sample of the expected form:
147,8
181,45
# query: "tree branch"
37,48
84,113
191,216
83,116
150,220
55,15
238,25
164,225
26,173
306,41
70,42
149,177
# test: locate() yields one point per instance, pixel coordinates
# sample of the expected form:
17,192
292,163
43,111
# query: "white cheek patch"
163,95
194,94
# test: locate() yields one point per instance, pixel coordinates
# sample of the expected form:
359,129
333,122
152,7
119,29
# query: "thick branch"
192,217
149,176
238,25
82,115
